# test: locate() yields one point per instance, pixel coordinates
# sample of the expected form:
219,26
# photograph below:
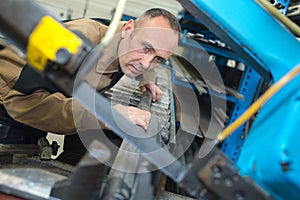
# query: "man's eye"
159,60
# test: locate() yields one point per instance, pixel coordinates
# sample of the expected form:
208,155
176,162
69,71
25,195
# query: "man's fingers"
154,95
143,119
157,95
139,117
135,115
143,124
143,88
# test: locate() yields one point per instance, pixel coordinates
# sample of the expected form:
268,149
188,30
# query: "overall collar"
109,62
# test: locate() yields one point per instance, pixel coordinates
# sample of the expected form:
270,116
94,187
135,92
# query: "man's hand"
154,89
134,115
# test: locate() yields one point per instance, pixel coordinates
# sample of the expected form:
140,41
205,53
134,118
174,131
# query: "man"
28,111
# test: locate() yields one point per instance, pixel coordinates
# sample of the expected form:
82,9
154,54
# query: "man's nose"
146,61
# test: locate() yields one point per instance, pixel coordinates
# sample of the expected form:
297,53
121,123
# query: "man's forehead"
161,31
159,22
164,39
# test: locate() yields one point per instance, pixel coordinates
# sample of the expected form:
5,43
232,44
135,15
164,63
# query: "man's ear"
127,28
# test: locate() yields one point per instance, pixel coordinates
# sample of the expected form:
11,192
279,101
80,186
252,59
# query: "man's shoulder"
92,29
9,55
85,22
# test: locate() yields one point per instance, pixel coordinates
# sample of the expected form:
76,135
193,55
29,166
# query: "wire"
259,103
114,23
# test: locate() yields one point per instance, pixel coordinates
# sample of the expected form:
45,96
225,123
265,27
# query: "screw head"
62,56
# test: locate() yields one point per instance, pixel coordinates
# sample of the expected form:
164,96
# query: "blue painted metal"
251,32
281,5
192,24
127,17
271,152
249,87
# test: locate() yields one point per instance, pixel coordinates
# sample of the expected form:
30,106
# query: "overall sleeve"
49,112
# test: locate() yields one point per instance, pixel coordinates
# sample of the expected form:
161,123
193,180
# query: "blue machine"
249,86
270,153
247,82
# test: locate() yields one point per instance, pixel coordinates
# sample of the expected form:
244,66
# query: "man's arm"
42,110
49,112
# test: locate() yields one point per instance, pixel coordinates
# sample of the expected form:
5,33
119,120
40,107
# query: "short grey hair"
157,12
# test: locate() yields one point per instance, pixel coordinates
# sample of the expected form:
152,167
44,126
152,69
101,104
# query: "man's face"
144,48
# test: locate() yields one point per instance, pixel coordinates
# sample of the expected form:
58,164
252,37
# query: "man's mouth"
134,69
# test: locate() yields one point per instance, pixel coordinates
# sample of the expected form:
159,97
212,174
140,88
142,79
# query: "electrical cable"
114,23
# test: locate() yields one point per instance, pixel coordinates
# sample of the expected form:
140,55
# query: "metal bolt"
62,56
279,6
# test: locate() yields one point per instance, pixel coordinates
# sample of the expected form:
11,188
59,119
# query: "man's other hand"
154,89
134,115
